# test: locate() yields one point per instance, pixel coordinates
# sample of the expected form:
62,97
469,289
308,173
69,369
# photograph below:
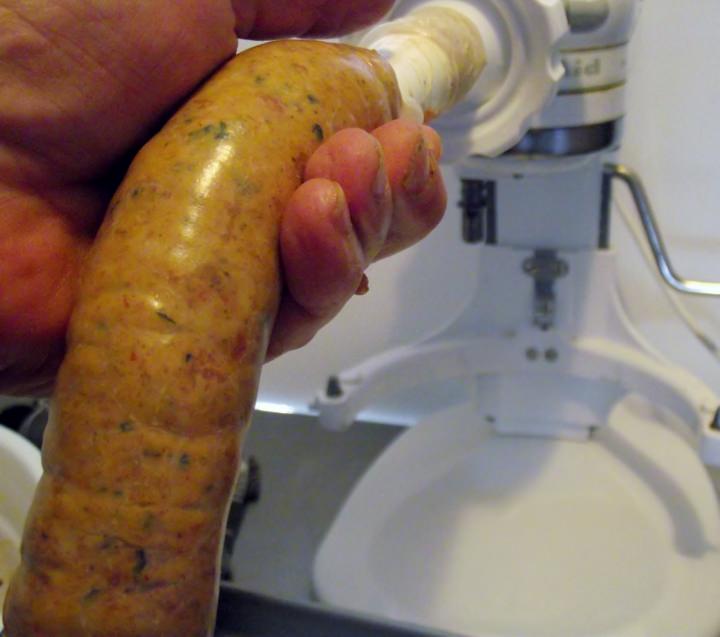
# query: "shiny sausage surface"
165,347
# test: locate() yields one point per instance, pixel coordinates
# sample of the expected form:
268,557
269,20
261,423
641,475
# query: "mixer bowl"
20,471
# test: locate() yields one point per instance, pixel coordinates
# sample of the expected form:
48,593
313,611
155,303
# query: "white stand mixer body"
565,494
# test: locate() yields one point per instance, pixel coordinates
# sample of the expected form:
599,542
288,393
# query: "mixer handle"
652,231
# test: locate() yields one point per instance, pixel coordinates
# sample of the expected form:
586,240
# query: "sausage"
165,345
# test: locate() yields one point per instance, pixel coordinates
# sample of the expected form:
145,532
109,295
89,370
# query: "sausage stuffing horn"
168,336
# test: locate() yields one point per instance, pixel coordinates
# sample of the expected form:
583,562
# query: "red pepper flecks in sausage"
165,347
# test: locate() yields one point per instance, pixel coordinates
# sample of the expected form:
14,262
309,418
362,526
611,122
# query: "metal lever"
642,202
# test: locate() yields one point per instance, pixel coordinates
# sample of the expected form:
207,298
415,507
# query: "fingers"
44,240
411,155
391,180
354,160
265,19
323,263
367,196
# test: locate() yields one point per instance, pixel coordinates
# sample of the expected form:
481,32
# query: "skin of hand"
84,83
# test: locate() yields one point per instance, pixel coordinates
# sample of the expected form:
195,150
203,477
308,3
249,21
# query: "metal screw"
531,354
530,267
489,419
334,387
551,355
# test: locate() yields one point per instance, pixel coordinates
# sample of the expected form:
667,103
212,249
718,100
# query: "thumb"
261,19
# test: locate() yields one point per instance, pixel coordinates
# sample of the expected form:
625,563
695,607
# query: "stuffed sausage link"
165,346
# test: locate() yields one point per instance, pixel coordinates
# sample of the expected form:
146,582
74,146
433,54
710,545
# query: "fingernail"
364,286
419,170
340,216
380,185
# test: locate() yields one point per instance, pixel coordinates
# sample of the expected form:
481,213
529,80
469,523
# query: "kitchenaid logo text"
594,69
582,67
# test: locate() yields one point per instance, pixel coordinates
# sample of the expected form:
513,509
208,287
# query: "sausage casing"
165,346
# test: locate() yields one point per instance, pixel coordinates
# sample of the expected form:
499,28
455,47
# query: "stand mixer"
563,491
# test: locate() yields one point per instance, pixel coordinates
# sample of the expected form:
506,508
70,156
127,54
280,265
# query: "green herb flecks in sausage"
175,308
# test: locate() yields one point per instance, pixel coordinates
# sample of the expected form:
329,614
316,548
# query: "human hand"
84,84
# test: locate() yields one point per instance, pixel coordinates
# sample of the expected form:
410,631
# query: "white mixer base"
463,530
